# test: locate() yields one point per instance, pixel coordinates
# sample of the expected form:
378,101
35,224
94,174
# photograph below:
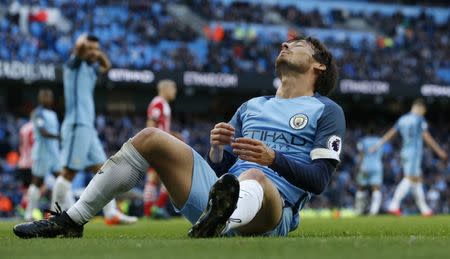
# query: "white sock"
360,202
376,202
110,210
34,195
119,174
62,193
400,193
419,196
250,201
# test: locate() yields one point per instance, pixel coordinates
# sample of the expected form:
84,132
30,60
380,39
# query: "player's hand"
442,155
100,57
253,150
222,134
373,149
80,46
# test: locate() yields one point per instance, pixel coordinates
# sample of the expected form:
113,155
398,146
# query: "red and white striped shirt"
159,111
26,144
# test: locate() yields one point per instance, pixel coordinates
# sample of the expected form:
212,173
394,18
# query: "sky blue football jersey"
79,83
411,127
371,161
303,129
44,148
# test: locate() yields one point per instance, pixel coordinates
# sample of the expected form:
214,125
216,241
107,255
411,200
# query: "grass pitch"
369,237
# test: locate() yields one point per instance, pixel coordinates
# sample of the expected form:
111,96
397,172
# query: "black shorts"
24,176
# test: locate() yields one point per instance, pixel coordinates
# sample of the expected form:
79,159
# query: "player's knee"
145,137
68,174
254,174
149,132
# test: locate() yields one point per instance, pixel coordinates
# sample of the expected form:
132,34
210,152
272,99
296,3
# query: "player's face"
420,109
173,92
92,48
297,55
47,98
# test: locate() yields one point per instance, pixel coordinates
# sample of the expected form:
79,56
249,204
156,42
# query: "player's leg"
172,159
62,190
259,207
249,206
360,199
75,146
419,196
150,194
361,194
400,192
94,162
376,200
403,187
33,194
39,169
375,181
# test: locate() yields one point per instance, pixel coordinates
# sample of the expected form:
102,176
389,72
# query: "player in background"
81,147
23,172
414,130
158,116
45,151
274,152
26,140
370,174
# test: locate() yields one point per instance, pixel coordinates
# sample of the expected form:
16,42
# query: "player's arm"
151,122
154,114
103,61
359,147
429,140
220,156
388,136
313,177
39,122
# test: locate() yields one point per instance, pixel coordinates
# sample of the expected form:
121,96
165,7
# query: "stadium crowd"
115,130
144,35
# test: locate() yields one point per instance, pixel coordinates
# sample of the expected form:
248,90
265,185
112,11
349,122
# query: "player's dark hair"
93,38
419,101
327,80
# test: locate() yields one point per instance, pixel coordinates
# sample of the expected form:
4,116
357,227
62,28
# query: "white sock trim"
250,200
134,157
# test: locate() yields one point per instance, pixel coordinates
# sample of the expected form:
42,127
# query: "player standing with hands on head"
81,147
414,130
270,157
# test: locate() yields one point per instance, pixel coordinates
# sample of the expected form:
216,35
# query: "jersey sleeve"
155,111
329,134
73,62
424,125
360,146
397,125
39,120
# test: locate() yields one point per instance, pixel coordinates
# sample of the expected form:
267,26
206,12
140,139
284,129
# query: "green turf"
376,237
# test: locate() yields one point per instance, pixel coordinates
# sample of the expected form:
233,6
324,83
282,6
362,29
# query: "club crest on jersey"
298,121
335,144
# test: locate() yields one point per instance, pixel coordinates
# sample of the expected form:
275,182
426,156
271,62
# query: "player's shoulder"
255,101
38,111
260,99
330,106
157,100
